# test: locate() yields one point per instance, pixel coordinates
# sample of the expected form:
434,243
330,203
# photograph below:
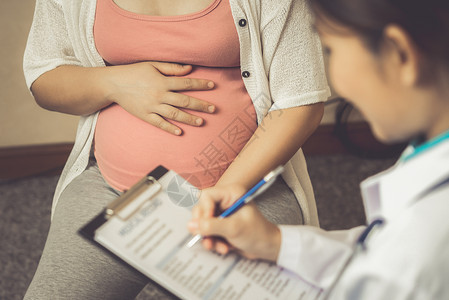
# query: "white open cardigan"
277,47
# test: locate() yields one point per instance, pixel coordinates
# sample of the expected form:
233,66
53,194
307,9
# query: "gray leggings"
72,268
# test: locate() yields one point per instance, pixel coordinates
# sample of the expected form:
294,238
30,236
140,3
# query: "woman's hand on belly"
148,91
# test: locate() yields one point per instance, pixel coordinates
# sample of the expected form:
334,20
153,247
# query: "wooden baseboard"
356,139
19,162
24,161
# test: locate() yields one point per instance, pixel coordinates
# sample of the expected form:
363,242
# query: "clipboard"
146,228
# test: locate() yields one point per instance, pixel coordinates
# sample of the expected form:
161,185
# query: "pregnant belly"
127,148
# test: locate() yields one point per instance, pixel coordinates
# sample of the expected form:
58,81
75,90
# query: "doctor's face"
372,84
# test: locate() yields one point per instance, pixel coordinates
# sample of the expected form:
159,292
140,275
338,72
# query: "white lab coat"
407,257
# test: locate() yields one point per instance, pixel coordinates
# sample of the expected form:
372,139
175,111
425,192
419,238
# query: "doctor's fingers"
185,101
224,196
217,244
228,234
233,228
215,199
247,231
205,208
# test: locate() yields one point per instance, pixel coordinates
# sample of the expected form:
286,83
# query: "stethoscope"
359,247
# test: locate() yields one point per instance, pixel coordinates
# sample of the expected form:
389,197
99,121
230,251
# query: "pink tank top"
127,148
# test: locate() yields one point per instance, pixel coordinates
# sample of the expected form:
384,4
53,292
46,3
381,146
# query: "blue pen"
256,190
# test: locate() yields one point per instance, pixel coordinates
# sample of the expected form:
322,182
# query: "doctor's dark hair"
426,21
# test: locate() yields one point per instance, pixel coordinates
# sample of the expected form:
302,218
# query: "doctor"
390,58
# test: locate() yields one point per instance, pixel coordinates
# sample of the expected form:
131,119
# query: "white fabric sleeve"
314,254
48,44
296,69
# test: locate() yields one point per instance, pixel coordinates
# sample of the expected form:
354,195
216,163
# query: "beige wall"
22,122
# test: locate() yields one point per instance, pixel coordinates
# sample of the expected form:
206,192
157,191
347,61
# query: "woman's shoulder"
267,6
74,5
277,8
279,4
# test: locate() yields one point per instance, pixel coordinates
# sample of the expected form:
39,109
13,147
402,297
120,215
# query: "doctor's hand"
246,231
149,91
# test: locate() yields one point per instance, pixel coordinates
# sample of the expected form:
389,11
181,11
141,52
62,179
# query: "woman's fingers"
171,69
159,122
185,101
164,112
175,114
181,83
189,84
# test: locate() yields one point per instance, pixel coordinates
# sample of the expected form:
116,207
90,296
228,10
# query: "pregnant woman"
247,77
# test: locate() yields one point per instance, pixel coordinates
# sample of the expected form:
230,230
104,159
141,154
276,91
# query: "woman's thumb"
171,69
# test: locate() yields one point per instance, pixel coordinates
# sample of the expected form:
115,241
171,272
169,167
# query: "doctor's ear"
403,55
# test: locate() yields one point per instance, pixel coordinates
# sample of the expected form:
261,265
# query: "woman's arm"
274,142
142,89
296,78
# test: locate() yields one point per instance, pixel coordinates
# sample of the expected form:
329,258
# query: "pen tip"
193,241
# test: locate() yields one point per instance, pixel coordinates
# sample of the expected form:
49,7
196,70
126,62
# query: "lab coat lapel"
390,192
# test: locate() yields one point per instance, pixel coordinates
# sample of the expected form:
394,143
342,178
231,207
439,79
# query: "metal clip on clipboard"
133,199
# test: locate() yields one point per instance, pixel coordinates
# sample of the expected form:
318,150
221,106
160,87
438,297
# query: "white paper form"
153,241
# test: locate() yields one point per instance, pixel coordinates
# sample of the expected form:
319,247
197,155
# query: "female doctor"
390,59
